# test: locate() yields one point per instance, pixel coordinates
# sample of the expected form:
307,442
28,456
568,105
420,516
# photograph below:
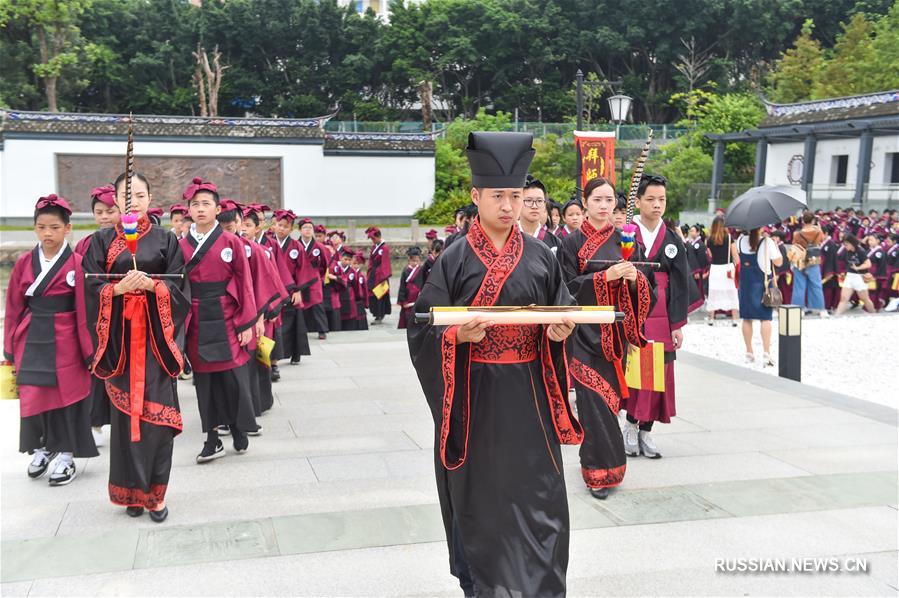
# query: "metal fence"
697,196
637,133
819,197
875,197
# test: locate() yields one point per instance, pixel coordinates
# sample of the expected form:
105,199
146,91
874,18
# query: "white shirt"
649,236
200,238
46,264
767,251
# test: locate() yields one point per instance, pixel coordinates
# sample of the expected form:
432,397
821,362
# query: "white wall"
779,155
313,184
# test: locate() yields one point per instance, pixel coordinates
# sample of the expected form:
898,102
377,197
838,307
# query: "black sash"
38,367
212,330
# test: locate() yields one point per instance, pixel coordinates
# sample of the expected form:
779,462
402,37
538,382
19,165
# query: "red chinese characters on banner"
596,151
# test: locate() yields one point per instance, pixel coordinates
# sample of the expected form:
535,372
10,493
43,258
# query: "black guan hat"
499,160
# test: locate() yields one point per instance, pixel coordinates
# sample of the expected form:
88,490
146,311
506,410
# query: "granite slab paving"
337,496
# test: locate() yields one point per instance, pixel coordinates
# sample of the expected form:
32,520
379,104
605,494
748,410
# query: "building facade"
290,163
841,151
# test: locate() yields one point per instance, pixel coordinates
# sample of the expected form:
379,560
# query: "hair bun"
198,180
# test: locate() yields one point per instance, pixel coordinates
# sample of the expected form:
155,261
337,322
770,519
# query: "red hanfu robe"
82,245
138,358
410,280
313,293
379,270
222,302
676,296
599,351
45,336
361,296
501,412
270,241
293,338
222,306
269,293
341,288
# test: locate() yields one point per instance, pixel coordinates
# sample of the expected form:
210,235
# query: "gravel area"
854,354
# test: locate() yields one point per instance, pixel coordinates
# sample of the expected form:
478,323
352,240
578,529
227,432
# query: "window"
891,172
838,170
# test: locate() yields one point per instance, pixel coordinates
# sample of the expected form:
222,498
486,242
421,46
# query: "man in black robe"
499,394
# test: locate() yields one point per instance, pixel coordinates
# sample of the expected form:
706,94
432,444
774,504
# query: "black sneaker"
134,511
241,442
223,430
276,374
39,464
322,336
256,432
63,473
211,452
295,361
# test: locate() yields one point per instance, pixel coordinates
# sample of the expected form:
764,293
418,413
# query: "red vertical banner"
596,151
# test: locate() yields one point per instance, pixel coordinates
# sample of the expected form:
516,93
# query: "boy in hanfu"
222,320
676,297
45,337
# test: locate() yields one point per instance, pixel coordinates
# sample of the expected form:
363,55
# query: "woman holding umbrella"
751,211
757,253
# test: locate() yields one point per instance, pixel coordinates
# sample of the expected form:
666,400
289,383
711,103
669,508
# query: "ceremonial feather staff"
629,229
130,217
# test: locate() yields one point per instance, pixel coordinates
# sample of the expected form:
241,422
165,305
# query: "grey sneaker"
40,463
63,473
648,446
631,443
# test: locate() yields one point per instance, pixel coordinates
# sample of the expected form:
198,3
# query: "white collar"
305,244
649,236
535,234
46,265
201,238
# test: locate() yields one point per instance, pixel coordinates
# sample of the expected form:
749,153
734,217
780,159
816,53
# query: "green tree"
54,26
798,69
850,66
884,73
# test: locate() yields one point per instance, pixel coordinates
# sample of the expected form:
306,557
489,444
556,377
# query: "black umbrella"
764,205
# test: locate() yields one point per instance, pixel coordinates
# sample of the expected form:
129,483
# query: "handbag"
772,297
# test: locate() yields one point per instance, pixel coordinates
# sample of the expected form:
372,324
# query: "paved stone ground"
337,497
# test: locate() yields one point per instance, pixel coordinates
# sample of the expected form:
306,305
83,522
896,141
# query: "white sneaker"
648,446
99,439
767,361
893,305
631,439
749,358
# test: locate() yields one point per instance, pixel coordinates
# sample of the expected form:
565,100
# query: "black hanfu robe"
222,306
676,296
138,359
100,413
501,412
45,337
599,351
